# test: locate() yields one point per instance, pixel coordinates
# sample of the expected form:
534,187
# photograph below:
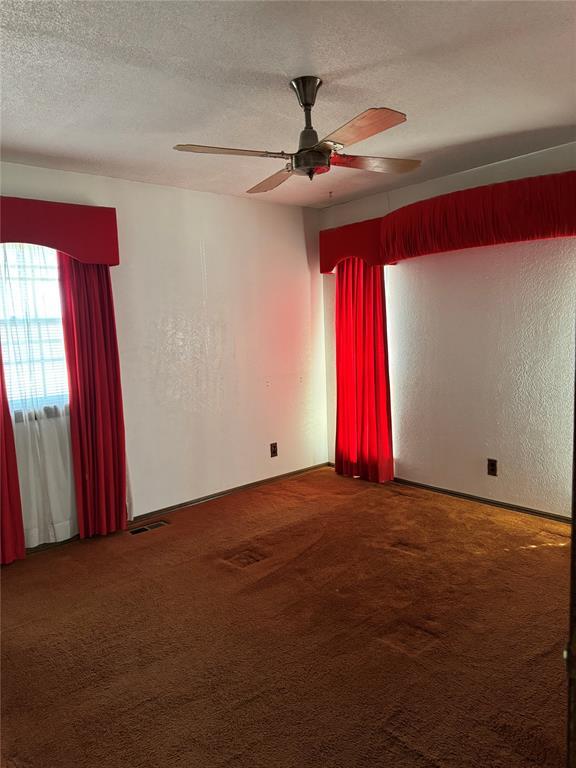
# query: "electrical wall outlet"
273,450
492,467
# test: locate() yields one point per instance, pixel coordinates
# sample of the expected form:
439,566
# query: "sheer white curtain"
36,381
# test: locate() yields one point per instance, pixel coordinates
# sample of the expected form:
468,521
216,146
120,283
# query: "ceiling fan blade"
199,148
272,181
364,125
378,164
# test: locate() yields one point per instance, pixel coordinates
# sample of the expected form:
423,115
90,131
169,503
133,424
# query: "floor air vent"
149,527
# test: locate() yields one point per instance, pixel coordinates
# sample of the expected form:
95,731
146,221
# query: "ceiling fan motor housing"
306,162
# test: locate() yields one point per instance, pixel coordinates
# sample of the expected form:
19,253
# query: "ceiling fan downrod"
310,158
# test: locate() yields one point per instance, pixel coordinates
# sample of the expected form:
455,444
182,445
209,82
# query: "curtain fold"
535,208
42,439
11,527
363,422
96,415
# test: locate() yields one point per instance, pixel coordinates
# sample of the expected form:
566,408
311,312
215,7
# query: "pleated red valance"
87,233
535,208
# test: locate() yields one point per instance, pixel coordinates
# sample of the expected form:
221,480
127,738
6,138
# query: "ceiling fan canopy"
317,156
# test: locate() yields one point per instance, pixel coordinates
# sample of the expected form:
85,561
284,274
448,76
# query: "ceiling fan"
314,156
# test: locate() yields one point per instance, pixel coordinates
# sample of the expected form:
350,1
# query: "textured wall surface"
220,329
552,279
481,347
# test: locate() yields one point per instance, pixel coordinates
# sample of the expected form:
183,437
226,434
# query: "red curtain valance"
535,208
87,233
360,240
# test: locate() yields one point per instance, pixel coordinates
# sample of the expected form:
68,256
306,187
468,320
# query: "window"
31,328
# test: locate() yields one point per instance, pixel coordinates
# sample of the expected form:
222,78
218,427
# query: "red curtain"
96,416
536,208
11,527
358,240
86,232
363,423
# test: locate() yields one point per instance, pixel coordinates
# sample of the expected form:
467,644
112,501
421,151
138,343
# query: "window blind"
31,328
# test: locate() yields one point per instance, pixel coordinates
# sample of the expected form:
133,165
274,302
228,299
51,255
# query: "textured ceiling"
110,87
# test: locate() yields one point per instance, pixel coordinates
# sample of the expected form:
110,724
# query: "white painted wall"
220,329
481,350
477,342
208,383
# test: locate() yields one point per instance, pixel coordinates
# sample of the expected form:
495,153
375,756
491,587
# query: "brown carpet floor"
315,622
